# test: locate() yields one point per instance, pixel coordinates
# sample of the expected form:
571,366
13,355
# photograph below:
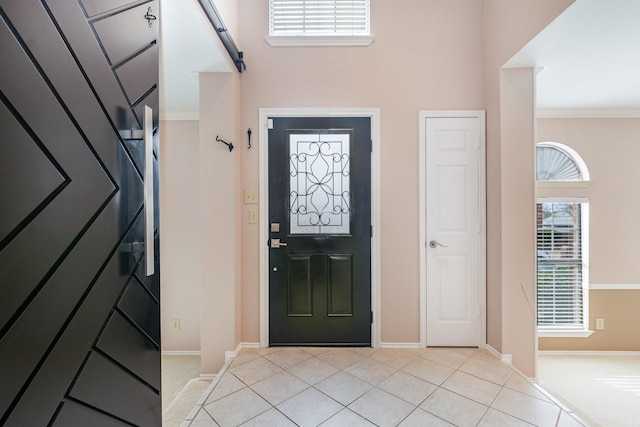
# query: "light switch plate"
253,216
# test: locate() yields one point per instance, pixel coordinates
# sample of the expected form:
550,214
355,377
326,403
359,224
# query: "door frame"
423,115
263,149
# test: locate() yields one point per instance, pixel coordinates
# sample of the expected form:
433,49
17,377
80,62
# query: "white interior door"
453,231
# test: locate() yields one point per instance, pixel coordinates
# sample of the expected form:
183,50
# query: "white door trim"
482,193
264,114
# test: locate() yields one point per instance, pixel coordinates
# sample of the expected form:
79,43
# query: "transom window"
319,22
562,245
557,162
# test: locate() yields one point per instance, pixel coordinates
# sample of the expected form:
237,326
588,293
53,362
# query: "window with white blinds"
319,17
562,297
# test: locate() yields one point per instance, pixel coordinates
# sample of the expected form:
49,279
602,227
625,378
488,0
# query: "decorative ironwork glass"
319,198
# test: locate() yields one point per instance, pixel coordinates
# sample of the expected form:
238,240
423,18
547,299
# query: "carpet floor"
181,387
603,390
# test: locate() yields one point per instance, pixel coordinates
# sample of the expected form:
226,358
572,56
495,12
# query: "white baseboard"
208,377
249,345
229,355
400,345
506,358
181,352
586,353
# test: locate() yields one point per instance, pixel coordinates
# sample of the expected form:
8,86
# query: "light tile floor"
284,386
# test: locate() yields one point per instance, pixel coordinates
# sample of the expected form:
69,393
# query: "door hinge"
372,317
371,231
269,123
371,145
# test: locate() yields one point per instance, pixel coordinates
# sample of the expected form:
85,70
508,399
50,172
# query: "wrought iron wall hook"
249,135
228,144
150,17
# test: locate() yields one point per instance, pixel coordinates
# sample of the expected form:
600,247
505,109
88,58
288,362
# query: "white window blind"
319,17
561,294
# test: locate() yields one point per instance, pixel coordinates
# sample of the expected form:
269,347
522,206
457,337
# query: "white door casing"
264,115
452,201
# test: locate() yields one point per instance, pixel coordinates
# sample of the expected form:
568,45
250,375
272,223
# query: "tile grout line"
363,357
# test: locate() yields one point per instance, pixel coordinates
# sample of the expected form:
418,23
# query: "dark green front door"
320,231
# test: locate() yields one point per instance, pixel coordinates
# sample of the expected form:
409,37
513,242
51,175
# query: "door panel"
116,392
124,343
453,230
71,254
299,289
340,285
320,207
135,78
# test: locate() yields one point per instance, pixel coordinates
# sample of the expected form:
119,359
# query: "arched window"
562,243
557,162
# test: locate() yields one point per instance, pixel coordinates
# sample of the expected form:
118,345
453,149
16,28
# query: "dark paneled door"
79,318
320,231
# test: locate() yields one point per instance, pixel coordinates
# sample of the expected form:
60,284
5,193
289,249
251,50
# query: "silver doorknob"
434,244
275,268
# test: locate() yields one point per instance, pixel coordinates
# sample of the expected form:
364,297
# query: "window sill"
564,333
278,41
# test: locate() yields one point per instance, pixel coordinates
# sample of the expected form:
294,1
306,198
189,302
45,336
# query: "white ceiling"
188,46
590,57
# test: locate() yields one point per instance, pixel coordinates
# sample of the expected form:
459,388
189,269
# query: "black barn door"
79,318
320,231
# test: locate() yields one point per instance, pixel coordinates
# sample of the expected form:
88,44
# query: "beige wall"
427,54
219,227
611,149
228,10
508,26
517,101
200,203
179,220
619,309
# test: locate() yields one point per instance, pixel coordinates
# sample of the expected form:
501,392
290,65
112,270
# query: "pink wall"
508,26
518,237
179,222
219,226
427,54
610,148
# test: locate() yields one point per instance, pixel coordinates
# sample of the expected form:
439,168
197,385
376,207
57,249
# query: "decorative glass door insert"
319,187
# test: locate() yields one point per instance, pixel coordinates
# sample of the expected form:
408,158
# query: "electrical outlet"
250,197
175,324
599,323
